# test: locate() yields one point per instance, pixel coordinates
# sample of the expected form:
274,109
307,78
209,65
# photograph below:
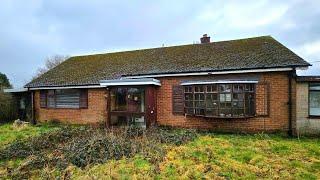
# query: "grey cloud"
33,30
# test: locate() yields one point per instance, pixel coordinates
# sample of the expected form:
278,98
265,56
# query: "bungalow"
245,85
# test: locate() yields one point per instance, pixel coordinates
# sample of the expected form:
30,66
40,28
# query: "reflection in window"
127,99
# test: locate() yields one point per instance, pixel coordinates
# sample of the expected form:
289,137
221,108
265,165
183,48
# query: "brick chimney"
205,39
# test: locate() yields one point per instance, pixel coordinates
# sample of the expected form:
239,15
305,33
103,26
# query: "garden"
50,151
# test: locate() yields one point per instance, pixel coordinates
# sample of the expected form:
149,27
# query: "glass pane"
188,89
249,103
249,87
238,87
135,99
51,102
225,87
209,101
238,97
222,97
196,97
228,97
189,110
199,111
119,99
225,97
238,104
188,97
198,89
315,86
188,103
238,112
199,97
314,103
199,104
212,88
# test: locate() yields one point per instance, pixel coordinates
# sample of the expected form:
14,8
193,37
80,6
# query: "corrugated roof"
251,53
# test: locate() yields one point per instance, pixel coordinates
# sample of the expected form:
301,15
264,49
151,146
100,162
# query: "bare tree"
51,62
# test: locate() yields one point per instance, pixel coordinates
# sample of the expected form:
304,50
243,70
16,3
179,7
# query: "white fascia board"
130,82
210,73
68,87
217,82
15,90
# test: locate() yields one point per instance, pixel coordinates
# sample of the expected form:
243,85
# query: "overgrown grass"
160,153
245,156
9,133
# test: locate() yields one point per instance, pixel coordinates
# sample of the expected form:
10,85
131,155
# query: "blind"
43,99
67,98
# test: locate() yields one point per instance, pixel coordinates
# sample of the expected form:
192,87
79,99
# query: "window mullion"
55,99
218,94
232,113
205,99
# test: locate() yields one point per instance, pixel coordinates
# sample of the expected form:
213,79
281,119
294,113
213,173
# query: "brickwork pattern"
95,113
277,120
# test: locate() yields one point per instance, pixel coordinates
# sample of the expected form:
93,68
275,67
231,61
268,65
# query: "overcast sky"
30,30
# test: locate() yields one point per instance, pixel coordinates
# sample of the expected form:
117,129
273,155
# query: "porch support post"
108,108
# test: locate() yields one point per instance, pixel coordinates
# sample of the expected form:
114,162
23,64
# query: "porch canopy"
130,82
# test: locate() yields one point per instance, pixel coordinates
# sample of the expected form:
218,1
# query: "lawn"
95,153
9,133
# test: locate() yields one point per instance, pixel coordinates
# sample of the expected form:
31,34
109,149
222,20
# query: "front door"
151,106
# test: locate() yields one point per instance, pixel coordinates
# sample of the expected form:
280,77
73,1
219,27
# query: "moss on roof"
251,53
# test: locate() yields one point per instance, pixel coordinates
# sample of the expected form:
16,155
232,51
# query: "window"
64,98
220,100
127,106
127,100
314,99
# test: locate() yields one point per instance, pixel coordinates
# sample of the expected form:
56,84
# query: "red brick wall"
95,113
277,120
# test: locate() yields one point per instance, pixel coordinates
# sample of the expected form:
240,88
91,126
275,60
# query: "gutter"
206,73
67,87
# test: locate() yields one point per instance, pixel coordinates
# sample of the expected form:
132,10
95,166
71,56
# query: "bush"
83,146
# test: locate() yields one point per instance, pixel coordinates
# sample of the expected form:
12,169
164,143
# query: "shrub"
83,146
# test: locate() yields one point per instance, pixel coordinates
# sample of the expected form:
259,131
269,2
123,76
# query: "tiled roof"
251,53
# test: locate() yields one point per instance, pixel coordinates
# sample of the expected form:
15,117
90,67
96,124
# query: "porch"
131,102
